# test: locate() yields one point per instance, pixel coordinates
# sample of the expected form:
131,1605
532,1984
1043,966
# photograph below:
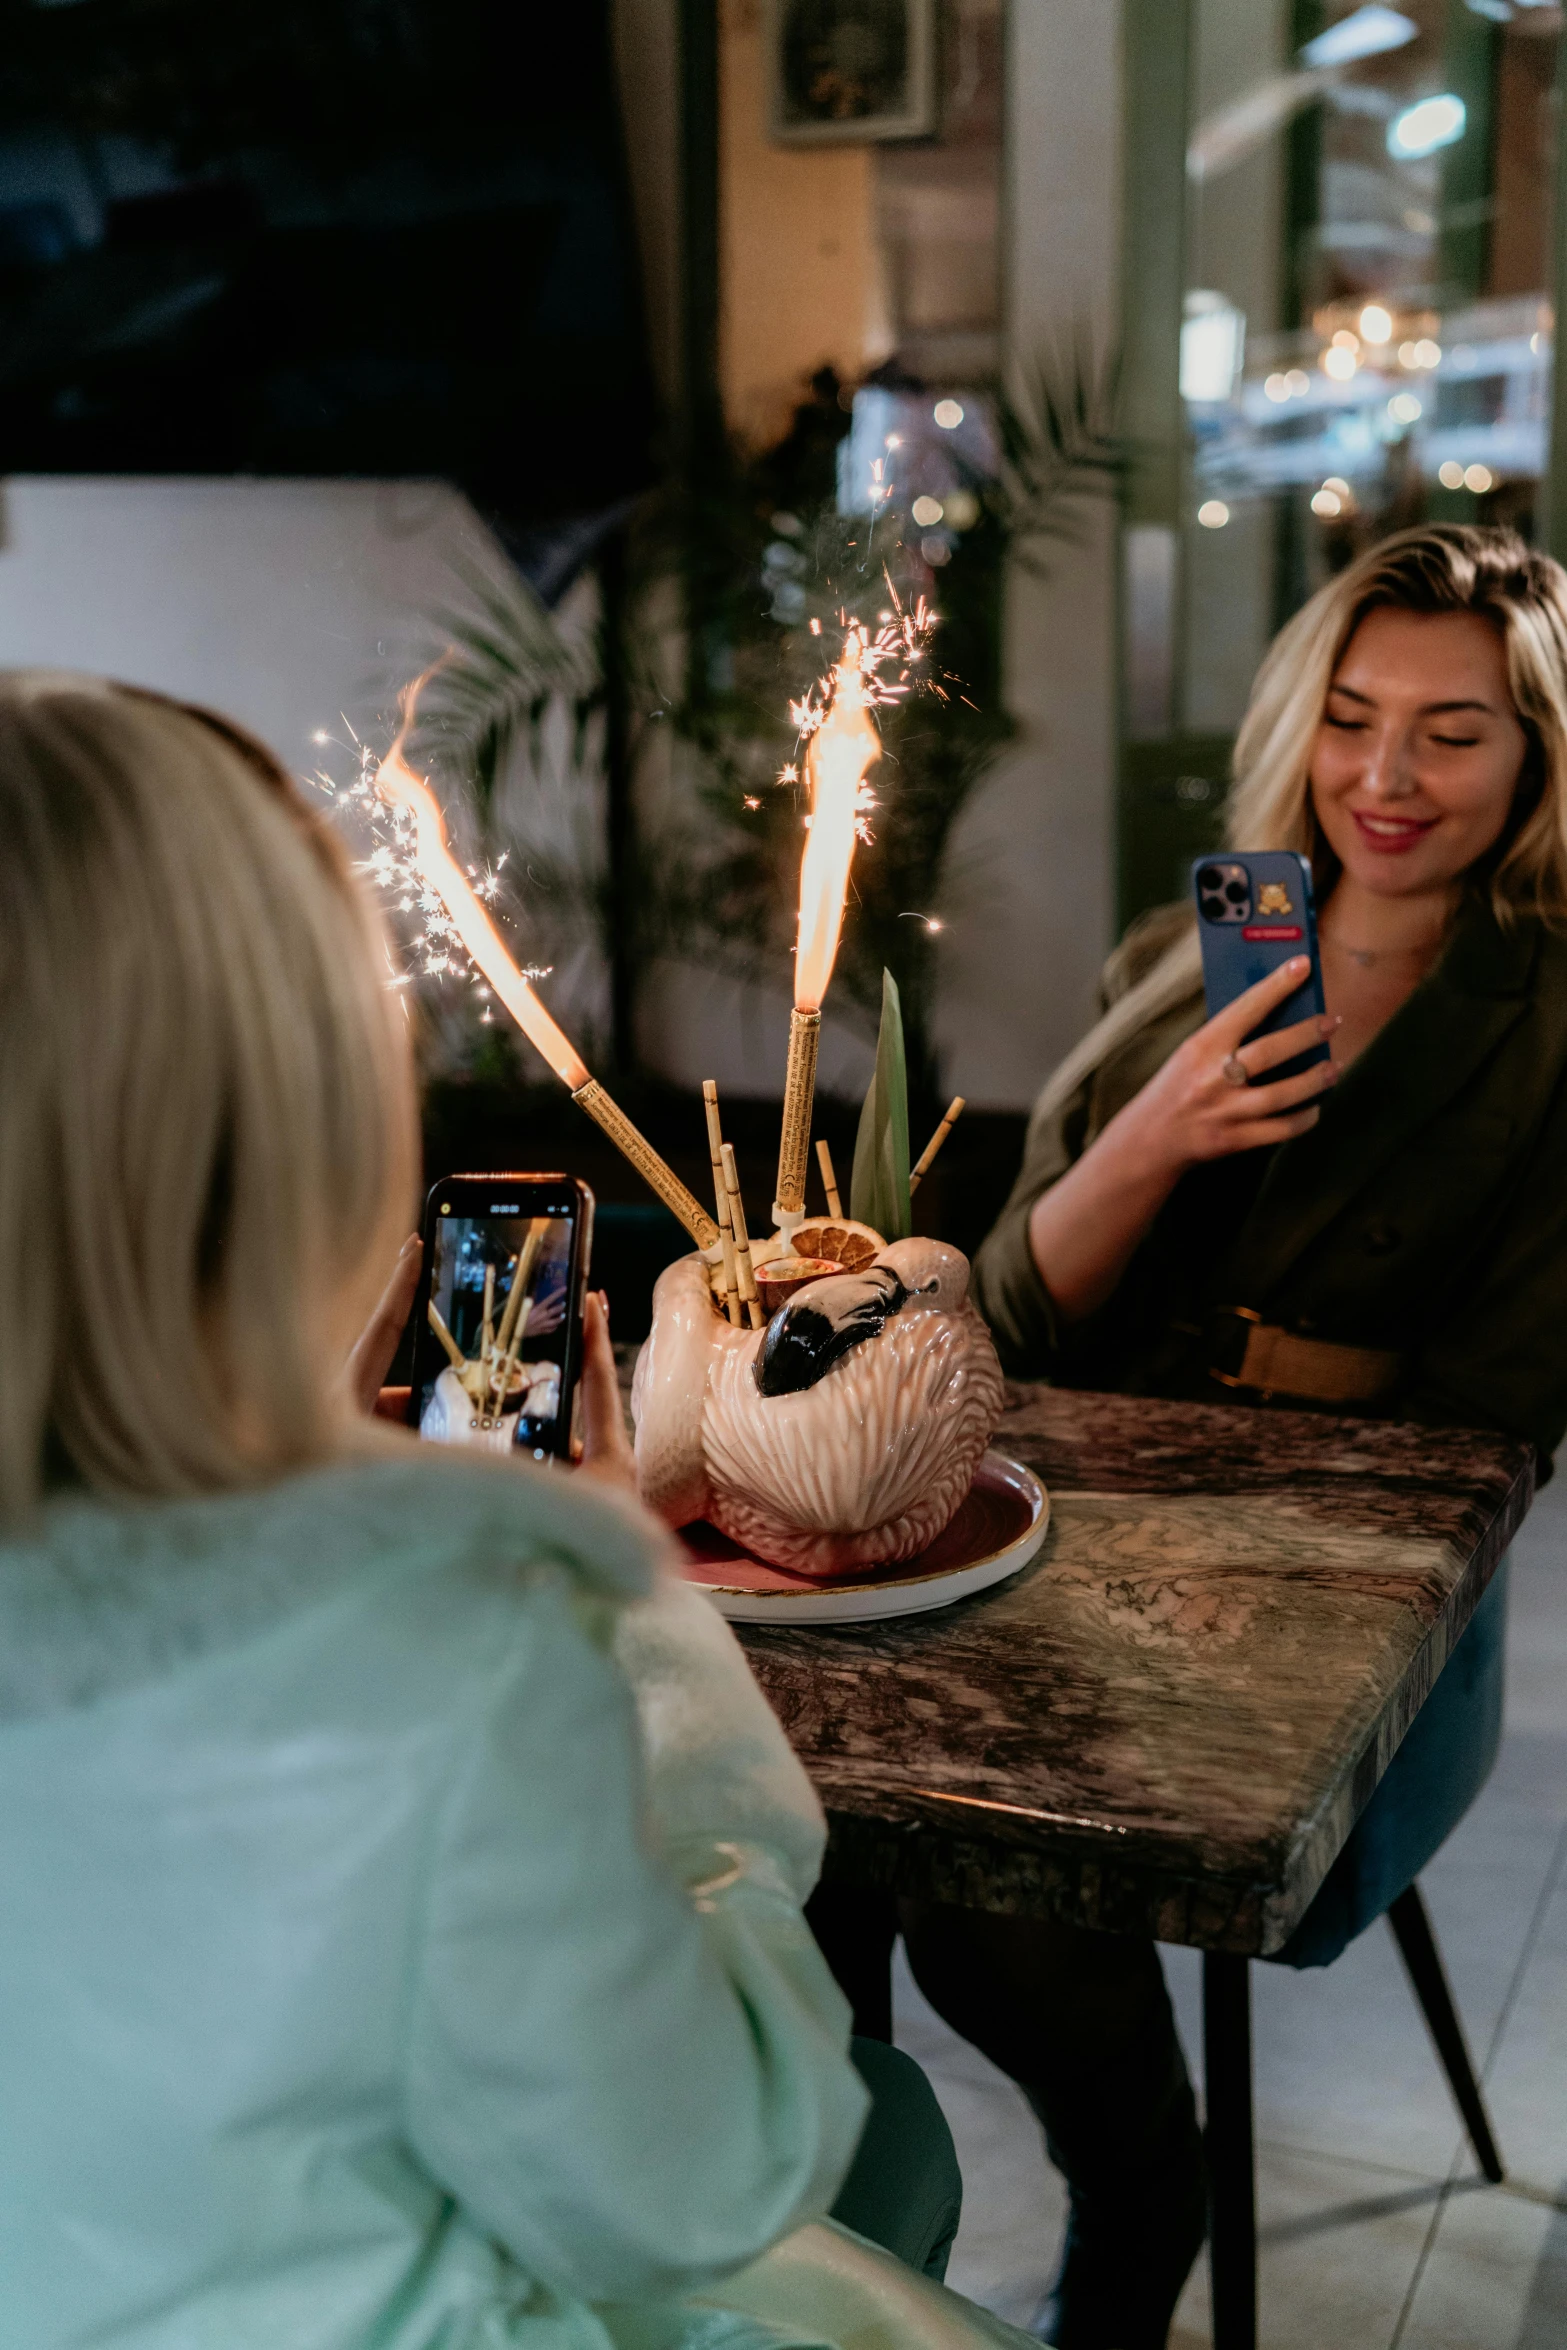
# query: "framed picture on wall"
844,72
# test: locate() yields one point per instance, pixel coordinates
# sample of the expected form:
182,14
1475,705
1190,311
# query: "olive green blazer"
1425,1213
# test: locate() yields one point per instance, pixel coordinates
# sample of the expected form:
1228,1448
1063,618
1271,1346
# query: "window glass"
1367,326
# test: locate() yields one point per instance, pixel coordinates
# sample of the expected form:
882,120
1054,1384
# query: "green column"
1471,48
1158,43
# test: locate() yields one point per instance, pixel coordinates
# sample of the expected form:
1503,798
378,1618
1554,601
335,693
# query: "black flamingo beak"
822,1323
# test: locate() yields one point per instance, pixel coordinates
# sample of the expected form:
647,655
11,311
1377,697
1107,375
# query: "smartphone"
498,1320
1254,911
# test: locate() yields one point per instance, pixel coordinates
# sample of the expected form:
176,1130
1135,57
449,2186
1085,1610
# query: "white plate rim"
869,1603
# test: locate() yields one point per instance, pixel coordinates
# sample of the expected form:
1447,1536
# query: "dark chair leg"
1423,1961
1232,2179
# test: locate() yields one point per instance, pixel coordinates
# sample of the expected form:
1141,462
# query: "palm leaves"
504,660
715,843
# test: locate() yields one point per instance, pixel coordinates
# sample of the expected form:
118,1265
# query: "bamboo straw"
829,1179
514,1320
522,1280
654,1171
508,1364
794,1143
726,1230
459,1359
753,1304
927,1156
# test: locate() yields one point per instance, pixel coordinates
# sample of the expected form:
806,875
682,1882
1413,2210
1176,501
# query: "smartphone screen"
498,1324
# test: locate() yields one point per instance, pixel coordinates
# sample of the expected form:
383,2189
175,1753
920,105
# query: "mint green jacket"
400,1941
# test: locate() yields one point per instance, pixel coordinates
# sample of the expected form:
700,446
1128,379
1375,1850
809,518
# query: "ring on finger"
1235,1071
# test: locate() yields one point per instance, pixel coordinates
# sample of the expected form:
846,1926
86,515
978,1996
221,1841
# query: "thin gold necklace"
1367,956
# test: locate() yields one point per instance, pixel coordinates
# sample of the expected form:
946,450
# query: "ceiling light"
1376,324
1427,125
1404,408
1213,346
1277,387
1339,363
1327,503
1369,32
948,414
1479,478
926,512
1450,476
1213,514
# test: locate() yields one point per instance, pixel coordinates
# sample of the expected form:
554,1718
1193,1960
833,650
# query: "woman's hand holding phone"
1201,1105
382,1334
1205,1104
606,1448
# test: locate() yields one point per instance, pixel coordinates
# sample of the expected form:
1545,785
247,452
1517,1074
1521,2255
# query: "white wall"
282,602
1034,922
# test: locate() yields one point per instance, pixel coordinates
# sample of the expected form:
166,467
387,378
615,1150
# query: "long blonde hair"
207,1140
1437,567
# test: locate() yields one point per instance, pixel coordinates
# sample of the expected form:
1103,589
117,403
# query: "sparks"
840,745
412,854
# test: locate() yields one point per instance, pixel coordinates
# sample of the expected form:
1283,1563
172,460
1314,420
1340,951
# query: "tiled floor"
1377,2233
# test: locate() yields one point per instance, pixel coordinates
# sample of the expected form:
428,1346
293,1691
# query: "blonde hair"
207,1146
1438,567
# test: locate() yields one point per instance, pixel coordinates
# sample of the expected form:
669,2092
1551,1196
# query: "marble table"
1168,1724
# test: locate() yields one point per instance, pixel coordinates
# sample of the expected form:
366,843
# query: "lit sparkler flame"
397,783
842,745
843,748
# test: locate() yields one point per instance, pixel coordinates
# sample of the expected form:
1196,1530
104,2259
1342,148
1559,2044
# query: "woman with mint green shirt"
402,1940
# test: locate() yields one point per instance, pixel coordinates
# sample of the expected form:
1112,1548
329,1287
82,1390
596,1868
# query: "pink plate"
998,1528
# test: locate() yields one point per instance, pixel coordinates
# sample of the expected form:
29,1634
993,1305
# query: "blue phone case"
1254,911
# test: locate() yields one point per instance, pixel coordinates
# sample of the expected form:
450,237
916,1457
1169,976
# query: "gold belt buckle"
1237,1314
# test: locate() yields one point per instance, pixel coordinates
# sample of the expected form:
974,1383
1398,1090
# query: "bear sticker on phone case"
1274,898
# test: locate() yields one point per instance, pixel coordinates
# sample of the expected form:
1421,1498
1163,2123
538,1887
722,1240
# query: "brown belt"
1273,1361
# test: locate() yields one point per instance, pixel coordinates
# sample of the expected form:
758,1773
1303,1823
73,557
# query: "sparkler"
421,839
842,745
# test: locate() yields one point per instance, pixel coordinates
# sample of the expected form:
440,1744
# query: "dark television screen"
375,237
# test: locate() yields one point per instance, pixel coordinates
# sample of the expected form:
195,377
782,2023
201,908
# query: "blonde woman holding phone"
1384,1234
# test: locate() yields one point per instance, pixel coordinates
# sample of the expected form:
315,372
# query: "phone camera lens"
1235,891
1213,908
1210,878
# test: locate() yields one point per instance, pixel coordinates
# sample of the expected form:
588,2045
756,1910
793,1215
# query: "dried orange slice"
785,1275
841,1240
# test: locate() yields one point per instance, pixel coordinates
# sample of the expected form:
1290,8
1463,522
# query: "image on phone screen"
497,1314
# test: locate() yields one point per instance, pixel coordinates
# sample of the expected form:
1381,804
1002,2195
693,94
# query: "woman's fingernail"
1299,963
